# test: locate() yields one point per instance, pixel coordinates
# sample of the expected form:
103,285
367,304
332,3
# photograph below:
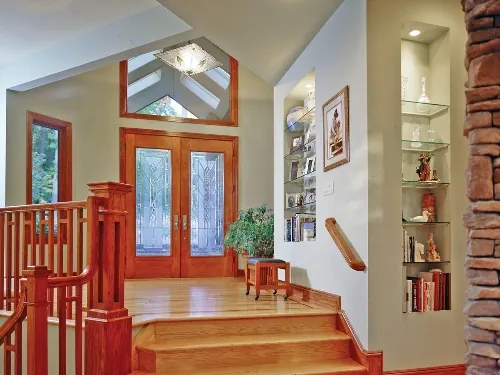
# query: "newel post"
37,314
108,328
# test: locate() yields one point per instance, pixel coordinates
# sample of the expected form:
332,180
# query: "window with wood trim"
48,159
152,90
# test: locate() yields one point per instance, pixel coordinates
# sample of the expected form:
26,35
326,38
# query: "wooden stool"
263,273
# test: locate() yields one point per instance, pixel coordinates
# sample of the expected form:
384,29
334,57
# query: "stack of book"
430,291
300,227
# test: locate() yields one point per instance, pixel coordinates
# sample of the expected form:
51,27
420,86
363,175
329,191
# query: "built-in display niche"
300,162
427,251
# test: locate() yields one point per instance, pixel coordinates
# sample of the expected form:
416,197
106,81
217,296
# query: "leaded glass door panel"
206,207
152,166
153,213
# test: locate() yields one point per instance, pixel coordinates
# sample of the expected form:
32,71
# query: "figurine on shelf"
432,254
424,169
421,219
419,252
435,175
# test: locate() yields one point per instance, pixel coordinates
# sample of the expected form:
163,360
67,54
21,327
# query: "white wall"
338,55
410,340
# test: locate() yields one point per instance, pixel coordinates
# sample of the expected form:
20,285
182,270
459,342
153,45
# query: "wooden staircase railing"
44,293
344,247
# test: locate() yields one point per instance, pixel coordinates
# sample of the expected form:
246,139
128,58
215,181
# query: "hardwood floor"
180,299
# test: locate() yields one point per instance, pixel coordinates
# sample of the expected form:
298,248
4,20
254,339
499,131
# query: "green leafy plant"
252,233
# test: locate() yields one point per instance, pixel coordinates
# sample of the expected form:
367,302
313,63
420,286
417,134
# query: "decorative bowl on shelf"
295,115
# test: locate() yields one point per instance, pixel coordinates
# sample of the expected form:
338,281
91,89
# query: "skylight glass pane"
166,106
144,83
219,76
200,91
139,61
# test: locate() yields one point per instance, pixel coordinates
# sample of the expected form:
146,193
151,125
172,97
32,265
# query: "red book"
435,279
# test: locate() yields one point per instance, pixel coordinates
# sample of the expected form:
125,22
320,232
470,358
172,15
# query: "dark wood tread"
333,367
232,341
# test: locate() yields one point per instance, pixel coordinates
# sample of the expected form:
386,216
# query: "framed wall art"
336,130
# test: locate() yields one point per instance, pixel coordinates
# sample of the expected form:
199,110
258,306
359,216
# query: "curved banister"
17,316
81,279
344,247
92,245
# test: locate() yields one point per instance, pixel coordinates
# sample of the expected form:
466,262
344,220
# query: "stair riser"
233,327
247,355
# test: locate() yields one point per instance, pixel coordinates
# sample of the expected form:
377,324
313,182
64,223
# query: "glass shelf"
301,125
420,146
426,262
411,108
424,184
423,224
301,152
308,208
303,180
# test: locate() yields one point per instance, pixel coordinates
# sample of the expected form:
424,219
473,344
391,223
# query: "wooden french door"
183,203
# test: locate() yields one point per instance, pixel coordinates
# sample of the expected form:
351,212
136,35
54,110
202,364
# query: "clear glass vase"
423,99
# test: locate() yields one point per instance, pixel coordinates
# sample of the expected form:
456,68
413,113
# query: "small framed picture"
299,199
309,196
290,200
294,170
310,164
310,134
297,143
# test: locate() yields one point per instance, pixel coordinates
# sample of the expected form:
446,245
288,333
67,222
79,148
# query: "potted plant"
252,234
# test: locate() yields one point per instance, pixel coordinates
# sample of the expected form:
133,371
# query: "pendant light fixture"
189,59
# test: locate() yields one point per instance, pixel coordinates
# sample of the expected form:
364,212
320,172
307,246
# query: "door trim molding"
164,133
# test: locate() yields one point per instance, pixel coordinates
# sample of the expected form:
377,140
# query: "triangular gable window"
166,106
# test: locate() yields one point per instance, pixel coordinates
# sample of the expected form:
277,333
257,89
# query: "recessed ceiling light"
309,86
415,32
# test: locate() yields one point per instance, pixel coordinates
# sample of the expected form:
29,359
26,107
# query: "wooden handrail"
90,270
46,207
17,316
344,247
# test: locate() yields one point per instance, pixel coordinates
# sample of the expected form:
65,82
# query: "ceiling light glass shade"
189,59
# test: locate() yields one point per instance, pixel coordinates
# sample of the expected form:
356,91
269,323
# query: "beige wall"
425,339
90,102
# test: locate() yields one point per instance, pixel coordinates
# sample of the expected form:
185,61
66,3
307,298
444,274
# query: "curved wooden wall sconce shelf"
345,248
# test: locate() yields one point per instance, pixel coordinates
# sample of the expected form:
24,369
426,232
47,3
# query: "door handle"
184,222
176,222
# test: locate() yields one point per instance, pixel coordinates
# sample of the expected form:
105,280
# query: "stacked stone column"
482,127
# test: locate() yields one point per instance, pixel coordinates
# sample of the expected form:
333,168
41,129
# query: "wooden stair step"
332,367
177,355
245,326
231,341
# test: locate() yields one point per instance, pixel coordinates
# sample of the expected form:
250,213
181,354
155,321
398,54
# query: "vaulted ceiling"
28,26
264,35
46,40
